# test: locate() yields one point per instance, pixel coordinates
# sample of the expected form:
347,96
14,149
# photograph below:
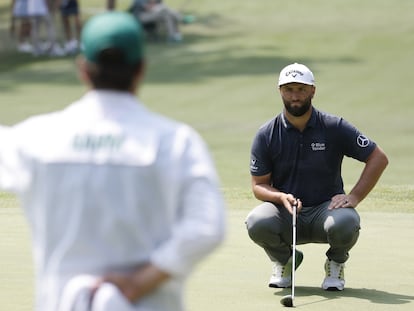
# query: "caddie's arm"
144,280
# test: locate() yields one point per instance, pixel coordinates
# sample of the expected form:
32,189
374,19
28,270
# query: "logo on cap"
294,73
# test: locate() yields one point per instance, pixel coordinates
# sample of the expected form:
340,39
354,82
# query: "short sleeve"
354,143
260,160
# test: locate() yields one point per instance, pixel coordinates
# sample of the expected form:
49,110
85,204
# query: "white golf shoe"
71,47
56,51
282,274
334,276
25,47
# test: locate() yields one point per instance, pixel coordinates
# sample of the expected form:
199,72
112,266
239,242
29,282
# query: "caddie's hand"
125,284
144,280
343,200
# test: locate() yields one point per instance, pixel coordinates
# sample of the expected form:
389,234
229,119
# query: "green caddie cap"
119,30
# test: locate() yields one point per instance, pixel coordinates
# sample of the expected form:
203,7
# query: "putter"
287,301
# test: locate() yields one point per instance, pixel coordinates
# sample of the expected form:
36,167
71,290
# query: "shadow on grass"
209,50
372,295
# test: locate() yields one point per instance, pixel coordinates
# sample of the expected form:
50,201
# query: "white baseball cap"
296,73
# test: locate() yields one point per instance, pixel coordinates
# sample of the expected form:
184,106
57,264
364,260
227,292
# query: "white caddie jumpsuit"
106,185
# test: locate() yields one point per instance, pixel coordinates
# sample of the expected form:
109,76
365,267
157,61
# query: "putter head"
287,301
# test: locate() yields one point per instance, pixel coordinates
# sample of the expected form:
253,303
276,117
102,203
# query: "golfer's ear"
82,70
313,90
139,76
141,70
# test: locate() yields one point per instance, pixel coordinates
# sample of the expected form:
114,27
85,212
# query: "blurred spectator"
39,13
155,11
69,12
20,26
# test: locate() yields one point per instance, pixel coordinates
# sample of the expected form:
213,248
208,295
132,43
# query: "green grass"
221,80
380,273
379,277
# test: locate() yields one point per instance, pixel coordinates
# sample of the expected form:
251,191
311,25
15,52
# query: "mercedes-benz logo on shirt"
362,141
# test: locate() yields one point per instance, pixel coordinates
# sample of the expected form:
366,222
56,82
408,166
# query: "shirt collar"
311,122
110,96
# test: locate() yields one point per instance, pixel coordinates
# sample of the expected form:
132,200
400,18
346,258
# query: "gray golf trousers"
270,227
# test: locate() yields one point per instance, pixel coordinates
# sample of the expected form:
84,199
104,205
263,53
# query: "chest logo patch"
362,141
318,146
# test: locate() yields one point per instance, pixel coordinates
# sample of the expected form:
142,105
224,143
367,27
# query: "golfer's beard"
298,111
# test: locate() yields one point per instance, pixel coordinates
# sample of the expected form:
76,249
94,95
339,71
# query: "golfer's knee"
258,228
343,230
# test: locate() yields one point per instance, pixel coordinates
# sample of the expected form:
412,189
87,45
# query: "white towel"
109,298
77,293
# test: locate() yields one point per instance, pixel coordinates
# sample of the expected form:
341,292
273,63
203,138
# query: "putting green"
379,274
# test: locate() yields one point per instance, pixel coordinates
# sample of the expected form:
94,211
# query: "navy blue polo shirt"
307,164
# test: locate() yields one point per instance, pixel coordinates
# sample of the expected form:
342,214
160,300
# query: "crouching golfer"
122,202
296,160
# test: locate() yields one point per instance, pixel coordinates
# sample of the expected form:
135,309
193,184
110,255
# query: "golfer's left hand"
343,200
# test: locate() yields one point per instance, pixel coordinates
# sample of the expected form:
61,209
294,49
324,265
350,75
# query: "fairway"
221,80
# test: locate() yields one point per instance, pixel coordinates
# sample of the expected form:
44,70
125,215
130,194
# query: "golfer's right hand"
289,201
